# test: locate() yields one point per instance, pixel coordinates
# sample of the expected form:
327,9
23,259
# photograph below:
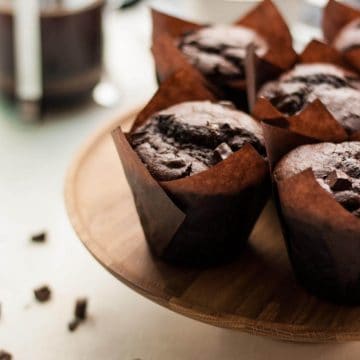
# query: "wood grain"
257,293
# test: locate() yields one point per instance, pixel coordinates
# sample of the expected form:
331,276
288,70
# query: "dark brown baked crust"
190,137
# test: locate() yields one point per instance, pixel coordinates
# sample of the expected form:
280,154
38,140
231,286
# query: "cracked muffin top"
219,51
190,137
336,88
336,168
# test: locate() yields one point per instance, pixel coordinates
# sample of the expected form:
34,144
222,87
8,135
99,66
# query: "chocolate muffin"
337,88
190,137
219,51
349,37
335,166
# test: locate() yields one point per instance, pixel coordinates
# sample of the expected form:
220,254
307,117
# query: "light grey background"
122,324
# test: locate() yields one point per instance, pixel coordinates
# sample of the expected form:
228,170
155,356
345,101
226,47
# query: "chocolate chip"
338,181
222,152
348,199
80,308
4,355
42,294
73,324
39,238
79,314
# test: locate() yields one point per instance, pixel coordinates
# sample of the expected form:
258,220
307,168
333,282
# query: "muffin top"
190,137
336,88
219,51
335,166
349,37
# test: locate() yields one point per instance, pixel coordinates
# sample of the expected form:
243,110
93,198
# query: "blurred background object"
70,51
33,162
72,41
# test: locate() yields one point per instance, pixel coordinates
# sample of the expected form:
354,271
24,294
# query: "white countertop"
122,325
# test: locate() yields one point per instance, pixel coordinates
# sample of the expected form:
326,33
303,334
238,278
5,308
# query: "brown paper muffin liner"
201,219
322,238
265,19
335,17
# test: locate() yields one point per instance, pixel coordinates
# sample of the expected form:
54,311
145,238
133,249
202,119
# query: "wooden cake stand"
257,293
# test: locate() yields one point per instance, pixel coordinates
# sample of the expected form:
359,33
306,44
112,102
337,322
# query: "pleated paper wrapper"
322,238
203,219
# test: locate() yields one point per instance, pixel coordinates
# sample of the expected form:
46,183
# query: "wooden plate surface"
257,293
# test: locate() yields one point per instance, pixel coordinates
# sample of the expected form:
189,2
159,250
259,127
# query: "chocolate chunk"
4,355
352,167
39,238
42,294
79,314
73,324
80,308
348,199
338,181
222,152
